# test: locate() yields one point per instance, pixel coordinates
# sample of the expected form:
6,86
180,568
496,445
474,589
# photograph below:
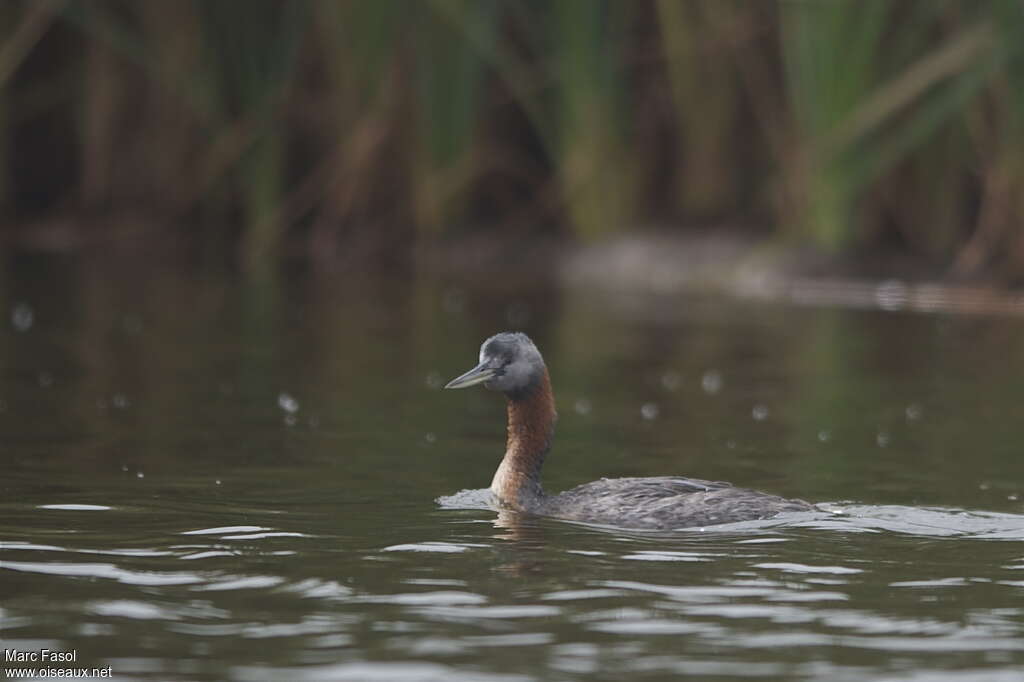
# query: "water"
211,480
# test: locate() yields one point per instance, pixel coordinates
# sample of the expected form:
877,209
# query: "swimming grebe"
511,363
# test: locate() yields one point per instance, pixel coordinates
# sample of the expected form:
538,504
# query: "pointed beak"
477,375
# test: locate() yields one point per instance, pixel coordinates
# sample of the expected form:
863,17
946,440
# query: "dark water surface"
207,480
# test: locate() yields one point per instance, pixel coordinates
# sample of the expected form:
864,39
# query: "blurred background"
244,243
355,134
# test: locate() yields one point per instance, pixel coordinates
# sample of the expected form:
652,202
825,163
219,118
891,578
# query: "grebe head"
509,362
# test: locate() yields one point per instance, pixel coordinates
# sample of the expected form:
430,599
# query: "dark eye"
502,362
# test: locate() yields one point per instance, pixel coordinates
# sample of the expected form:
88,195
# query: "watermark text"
41,665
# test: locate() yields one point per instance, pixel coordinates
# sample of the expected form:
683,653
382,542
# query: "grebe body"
510,363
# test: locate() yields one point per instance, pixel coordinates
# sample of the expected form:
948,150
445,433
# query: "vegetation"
330,128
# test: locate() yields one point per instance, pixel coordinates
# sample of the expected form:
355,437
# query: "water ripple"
222,530
371,671
804,568
98,570
75,507
130,608
444,547
472,613
438,598
251,582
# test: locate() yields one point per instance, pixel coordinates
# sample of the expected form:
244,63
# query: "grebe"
511,363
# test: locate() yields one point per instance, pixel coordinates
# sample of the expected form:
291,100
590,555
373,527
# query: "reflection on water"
205,480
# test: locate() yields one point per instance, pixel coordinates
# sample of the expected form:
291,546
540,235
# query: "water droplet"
518,314
217,482
1013,497
914,411
824,435
22,317
671,380
430,437
649,411
131,324
288,403
454,301
984,485
583,406
731,444
882,439
139,474
124,467
45,379
759,413
433,380
120,401
290,420
711,382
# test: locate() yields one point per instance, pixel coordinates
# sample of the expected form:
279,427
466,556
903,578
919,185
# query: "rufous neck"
531,425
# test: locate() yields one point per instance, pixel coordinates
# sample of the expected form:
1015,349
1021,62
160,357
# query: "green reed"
271,127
